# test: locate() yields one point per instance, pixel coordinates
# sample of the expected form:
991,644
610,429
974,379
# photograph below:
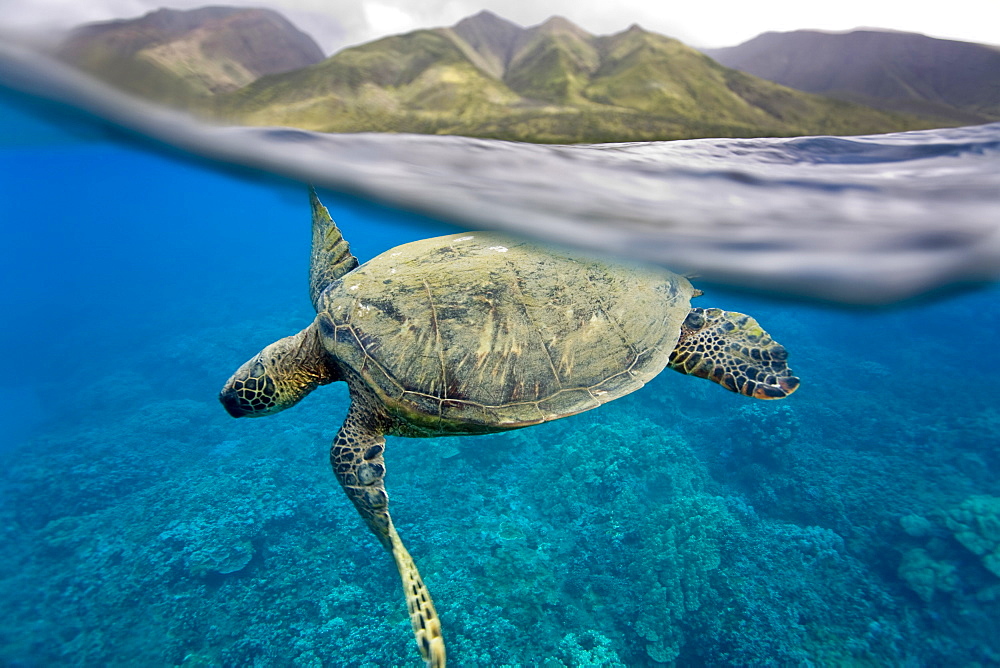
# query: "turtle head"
278,377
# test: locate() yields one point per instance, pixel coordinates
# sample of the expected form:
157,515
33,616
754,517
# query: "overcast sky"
339,23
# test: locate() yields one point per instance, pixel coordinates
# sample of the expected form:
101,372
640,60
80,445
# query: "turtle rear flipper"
734,351
358,463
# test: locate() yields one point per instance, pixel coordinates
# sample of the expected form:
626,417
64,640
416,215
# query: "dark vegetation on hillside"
484,77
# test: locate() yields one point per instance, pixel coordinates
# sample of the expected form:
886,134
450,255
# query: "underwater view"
856,522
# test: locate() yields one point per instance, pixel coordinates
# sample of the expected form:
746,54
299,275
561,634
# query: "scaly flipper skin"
731,349
331,254
357,462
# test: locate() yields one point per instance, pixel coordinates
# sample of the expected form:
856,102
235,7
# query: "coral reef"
925,575
677,526
976,525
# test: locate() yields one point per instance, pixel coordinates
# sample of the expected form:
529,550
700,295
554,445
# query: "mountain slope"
182,56
483,77
553,62
552,83
943,79
487,40
417,83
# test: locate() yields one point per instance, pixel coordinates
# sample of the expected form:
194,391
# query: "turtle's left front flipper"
734,351
358,463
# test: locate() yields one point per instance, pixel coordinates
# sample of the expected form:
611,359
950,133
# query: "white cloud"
339,23
385,19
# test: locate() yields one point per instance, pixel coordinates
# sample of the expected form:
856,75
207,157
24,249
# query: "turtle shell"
478,332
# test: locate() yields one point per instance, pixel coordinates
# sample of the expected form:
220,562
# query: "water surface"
856,220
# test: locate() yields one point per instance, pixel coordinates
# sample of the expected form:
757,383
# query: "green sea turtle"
477,333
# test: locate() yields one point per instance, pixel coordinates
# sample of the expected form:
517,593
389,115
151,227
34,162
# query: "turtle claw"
784,387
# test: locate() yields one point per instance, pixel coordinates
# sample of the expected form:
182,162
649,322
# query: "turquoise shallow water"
853,523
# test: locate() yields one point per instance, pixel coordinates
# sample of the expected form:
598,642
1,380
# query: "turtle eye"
694,319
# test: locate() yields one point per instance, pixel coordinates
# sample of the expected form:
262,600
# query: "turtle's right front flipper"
734,351
331,254
358,463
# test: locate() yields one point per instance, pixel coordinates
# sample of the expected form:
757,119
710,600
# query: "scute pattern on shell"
478,332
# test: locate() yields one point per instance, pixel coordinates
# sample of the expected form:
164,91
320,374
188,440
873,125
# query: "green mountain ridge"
951,81
488,77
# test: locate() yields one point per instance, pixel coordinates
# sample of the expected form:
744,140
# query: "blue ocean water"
857,522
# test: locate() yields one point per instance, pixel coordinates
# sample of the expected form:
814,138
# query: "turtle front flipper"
331,254
734,351
358,463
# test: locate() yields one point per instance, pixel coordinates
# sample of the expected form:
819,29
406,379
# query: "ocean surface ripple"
859,220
